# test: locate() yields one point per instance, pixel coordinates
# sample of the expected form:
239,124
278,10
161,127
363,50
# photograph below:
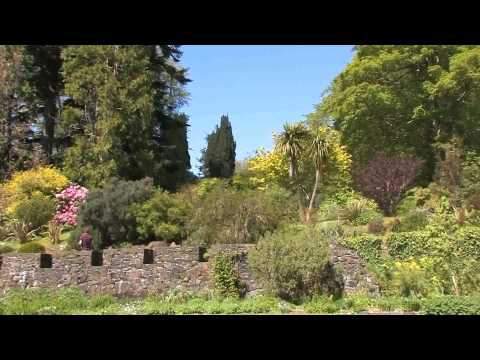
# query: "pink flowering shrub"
69,201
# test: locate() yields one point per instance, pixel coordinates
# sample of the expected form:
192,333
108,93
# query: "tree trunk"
456,288
312,198
292,173
49,115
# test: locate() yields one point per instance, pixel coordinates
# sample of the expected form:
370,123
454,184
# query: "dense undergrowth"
74,302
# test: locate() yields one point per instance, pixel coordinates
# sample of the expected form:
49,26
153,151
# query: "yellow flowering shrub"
268,167
271,167
410,278
24,185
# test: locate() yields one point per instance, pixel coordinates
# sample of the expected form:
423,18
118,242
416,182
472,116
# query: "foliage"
43,88
385,179
368,247
73,238
451,305
22,232
23,185
409,278
293,263
162,217
61,302
375,226
228,216
406,245
108,210
69,202
468,239
359,211
412,221
6,249
198,305
207,185
218,159
268,167
54,231
31,247
358,303
418,197
322,305
405,99
122,114
225,279
19,149
470,177
35,211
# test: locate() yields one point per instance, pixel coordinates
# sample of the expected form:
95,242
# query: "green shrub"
359,211
470,174
37,210
108,210
31,247
225,280
468,239
473,201
328,211
368,247
199,305
412,221
409,278
163,217
357,302
228,216
322,305
451,305
74,238
375,226
6,249
409,244
293,263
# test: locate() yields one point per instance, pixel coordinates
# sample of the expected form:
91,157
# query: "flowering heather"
69,201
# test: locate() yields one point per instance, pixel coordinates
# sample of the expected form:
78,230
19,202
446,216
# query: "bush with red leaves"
385,179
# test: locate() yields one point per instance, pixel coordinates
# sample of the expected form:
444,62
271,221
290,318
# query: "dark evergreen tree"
124,114
169,133
218,159
17,147
43,64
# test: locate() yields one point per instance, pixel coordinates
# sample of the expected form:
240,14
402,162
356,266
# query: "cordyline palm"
289,143
319,153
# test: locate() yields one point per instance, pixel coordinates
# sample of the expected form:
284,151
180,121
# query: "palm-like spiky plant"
289,143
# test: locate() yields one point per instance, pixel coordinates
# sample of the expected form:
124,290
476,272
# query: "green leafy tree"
108,210
163,217
405,99
218,159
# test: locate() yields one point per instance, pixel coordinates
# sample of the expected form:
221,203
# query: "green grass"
75,302
358,303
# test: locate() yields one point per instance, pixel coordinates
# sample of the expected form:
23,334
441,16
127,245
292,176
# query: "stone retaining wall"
124,273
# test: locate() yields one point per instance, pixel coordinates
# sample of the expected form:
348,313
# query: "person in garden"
85,240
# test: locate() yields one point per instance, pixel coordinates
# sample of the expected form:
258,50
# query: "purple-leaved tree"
385,179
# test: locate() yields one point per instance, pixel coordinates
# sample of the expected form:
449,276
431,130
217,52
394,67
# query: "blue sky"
260,87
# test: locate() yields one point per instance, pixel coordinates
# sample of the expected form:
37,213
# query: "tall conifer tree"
218,159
